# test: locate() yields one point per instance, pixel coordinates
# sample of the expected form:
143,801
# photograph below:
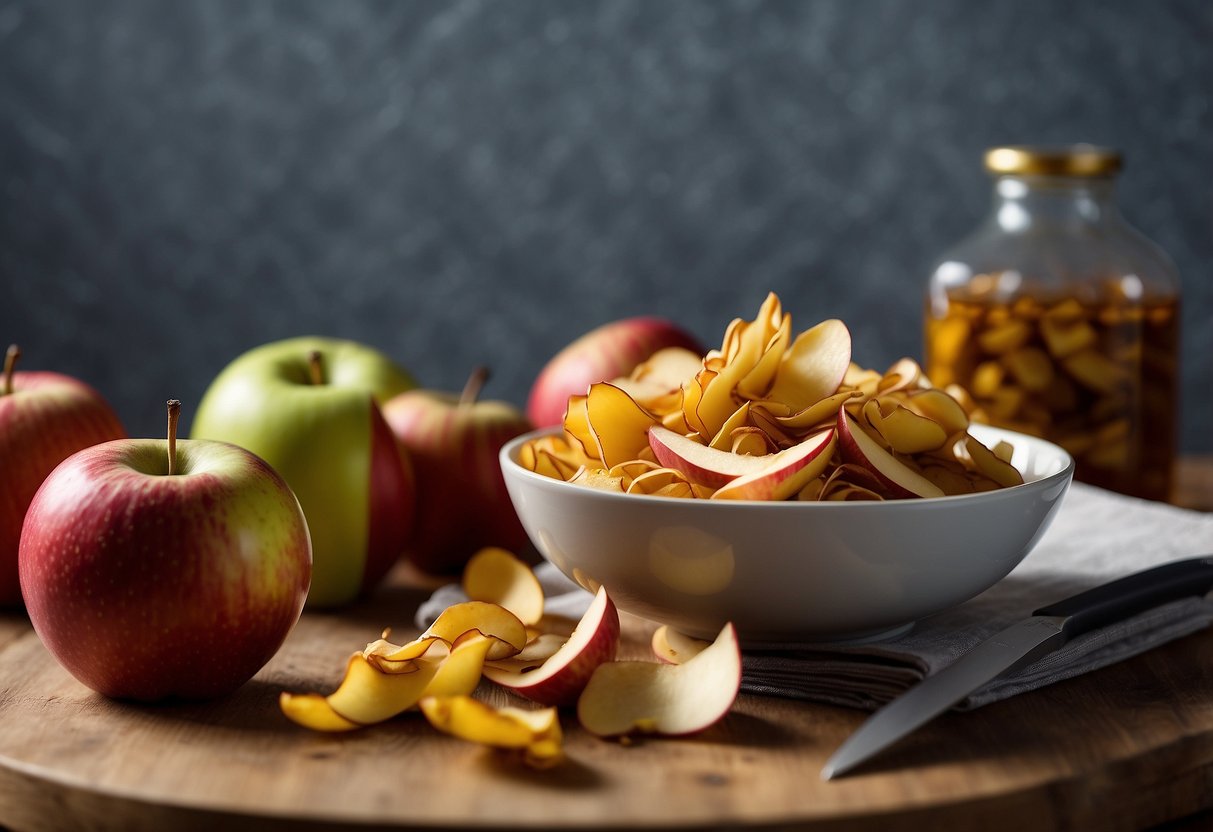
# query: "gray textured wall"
458,182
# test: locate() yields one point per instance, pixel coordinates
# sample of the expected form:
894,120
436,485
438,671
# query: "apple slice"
757,381
459,673
751,441
577,425
702,463
597,478
897,478
905,374
534,733
723,439
668,368
740,476
939,406
617,422
989,464
745,345
559,679
496,576
508,633
367,695
538,650
311,710
904,430
667,699
785,472
660,481
818,413
672,647
814,366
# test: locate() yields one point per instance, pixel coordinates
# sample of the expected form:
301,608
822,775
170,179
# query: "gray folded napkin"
1096,537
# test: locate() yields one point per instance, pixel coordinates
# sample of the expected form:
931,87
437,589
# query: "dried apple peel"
536,734
763,392
367,695
496,576
311,710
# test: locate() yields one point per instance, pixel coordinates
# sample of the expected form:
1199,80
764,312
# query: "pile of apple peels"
772,417
501,634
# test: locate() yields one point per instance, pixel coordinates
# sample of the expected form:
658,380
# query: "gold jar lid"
1053,160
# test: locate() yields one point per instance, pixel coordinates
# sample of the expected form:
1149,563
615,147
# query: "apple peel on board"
667,699
497,576
536,734
385,680
560,678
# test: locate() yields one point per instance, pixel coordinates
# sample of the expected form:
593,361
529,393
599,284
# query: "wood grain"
1119,749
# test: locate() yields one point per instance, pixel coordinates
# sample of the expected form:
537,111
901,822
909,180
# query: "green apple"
310,408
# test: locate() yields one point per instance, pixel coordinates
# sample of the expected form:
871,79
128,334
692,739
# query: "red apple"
896,478
608,352
156,569
44,418
559,679
462,502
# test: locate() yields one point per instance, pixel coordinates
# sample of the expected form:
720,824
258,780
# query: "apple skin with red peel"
602,354
560,679
895,477
45,419
741,476
700,463
393,503
147,586
665,699
462,502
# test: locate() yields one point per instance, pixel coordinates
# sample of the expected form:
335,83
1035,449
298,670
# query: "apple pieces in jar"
771,417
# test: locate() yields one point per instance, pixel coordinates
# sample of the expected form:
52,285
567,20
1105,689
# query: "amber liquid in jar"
1099,380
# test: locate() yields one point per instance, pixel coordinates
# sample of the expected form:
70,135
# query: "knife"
1019,645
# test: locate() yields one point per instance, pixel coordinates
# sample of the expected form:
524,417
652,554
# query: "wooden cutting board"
1122,748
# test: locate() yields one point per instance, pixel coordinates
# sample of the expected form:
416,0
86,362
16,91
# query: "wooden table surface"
1122,748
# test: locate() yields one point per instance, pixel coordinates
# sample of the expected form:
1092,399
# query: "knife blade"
1047,629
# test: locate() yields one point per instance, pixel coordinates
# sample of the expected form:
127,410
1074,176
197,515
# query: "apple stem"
174,411
10,362
315,363
475,382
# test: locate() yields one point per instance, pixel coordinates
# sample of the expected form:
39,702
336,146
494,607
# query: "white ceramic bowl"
791,572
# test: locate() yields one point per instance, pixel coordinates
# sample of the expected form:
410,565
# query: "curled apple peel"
536,734
384,680
496,576
311,710
439,671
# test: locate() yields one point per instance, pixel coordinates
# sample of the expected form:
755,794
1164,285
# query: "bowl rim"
508,457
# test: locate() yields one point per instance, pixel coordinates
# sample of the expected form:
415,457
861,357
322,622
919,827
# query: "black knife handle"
1132,594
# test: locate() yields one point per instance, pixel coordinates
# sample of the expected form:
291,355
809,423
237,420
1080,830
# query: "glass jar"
1061,320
